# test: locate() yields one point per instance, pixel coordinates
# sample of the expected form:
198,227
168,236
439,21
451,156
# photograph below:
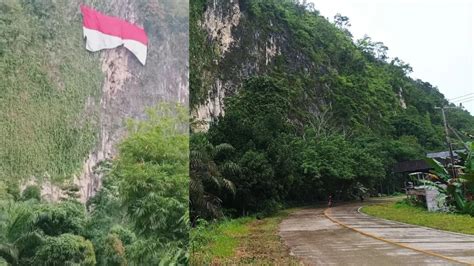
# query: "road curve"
344,236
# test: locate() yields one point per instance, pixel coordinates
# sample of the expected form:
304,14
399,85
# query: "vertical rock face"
111,118
130,88
244,47
219,21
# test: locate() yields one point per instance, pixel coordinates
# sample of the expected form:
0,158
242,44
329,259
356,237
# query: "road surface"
344,236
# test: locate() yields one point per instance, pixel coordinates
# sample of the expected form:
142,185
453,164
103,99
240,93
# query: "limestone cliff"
129,88
74,104
242,47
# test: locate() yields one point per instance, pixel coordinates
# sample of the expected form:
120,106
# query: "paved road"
318,239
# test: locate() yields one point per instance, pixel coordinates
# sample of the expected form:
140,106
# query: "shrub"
65,217
31,192
65,249
114,251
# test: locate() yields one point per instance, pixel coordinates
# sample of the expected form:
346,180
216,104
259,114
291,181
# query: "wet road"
344,236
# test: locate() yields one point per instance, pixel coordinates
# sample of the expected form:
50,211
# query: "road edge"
389,241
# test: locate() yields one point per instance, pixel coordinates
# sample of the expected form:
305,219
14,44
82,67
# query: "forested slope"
294,108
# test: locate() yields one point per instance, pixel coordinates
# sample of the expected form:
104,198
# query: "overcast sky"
434,36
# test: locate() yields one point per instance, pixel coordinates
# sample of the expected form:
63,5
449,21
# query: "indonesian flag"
106,32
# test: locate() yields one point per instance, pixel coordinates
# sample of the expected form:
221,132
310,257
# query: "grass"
240,241
402,212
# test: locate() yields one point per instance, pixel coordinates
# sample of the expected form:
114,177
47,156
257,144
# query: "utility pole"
451,154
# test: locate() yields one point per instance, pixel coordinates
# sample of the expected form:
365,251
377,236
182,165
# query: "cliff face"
130,88
81,107
244,45
220,19
353,81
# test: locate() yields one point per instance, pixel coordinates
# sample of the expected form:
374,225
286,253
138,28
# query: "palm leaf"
223,148
438,168
9,253
28,243
229,185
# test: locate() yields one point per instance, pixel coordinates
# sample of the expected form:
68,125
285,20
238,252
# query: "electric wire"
465,99
462,96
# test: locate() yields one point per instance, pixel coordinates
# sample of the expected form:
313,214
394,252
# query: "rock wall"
244,47
129,88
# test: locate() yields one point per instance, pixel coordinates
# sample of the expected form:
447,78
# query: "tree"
65,249
207,181
256,124
152,171
326,114
19,241
375,49
342,22
61,218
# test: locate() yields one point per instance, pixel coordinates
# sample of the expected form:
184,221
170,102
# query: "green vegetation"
201,54
49,90
326,115
403,212
139,217
455,191
219,239
329,115
205,204
244,240
142,210
31,192
50,85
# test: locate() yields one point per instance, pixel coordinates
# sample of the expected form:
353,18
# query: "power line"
469,94
465,99
456,133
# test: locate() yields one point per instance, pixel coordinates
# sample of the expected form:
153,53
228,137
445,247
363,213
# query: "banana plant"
468,157
458,188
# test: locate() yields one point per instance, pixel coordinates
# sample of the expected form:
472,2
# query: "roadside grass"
241,241
402,212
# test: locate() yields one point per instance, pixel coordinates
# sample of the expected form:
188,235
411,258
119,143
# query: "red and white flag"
106,32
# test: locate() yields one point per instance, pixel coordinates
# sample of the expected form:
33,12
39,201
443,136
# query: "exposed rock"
219,22
130,88
243,51
401,99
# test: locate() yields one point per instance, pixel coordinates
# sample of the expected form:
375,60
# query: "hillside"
306,109
247,38
62,108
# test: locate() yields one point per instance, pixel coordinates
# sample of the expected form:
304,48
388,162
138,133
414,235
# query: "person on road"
330,201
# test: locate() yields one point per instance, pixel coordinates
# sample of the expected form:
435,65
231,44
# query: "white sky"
434,36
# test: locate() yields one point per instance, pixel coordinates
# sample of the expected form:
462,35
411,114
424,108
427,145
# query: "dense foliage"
50,85
47,79
50,90
139,217
454,183
327,115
